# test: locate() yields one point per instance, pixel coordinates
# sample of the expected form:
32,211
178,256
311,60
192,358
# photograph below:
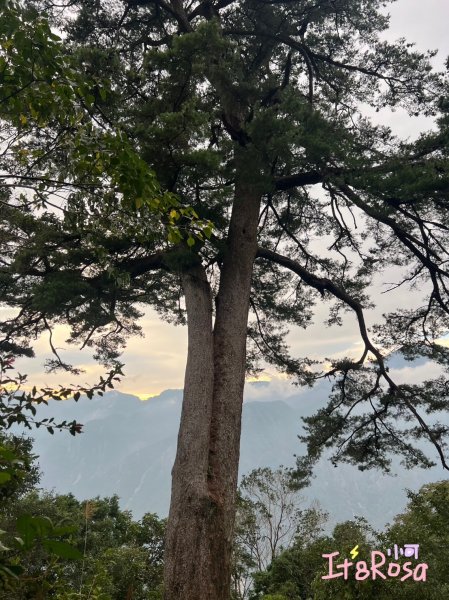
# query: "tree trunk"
204,476
230,333
186,553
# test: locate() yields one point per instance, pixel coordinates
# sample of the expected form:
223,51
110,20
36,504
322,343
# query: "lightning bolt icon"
355,552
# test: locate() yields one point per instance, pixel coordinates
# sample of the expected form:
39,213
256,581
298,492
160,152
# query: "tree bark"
204,477
230,334
187,559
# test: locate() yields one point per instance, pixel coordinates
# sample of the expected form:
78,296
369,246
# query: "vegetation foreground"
56,546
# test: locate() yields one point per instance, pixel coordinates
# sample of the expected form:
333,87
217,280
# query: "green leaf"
64,530
4,477
13,571
62,549
7,454
27,531
31,528
172,237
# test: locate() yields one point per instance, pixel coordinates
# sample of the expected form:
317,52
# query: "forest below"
56,546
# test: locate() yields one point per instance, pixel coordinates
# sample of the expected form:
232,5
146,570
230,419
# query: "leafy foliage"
18,476
18,473
57,147
115,555
297,572
18,406
269,519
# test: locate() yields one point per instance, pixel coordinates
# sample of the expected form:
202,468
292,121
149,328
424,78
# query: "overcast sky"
156,362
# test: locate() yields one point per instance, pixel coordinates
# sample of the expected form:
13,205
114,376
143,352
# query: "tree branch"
323,284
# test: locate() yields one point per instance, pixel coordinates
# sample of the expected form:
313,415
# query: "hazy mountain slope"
128,448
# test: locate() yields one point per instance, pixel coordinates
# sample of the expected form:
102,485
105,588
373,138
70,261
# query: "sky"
156,362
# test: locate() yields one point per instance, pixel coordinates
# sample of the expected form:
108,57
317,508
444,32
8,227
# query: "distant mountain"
128,447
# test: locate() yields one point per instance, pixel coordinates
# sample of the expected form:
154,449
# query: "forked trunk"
204,476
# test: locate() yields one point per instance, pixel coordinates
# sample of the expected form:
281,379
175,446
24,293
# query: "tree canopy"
115,555
297,75
297,572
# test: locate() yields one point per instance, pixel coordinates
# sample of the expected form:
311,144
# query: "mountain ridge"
128,447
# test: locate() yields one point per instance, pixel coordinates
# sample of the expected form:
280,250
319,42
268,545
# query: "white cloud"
415,375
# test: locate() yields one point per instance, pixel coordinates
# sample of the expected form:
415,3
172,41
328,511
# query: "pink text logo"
377,568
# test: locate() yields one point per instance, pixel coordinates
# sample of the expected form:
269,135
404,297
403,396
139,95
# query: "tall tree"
249,113
269,514
268,521
425,520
